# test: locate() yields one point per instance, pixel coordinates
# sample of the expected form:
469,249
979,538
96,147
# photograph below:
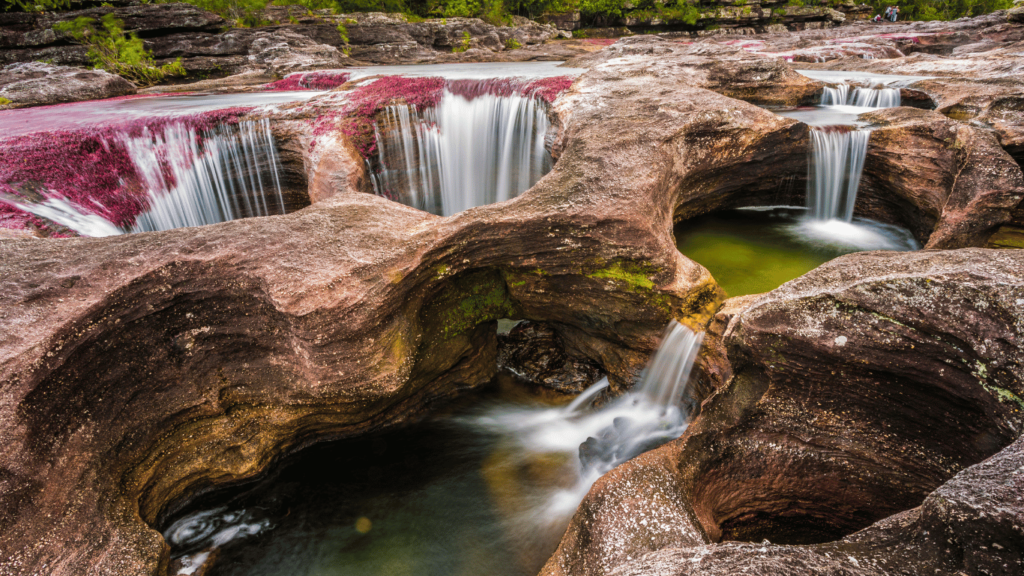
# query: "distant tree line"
593,12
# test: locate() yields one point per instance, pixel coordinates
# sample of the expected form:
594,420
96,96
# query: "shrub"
4,101
512,44
114,52
464,45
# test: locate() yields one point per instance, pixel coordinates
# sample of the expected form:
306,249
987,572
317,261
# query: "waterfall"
837,160
655,411
190,178
875,97
465,152
860,97
230,176
835,96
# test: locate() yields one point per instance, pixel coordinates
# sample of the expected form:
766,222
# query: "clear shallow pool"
750,251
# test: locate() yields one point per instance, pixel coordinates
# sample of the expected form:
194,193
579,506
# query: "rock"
142,370
951,184
36,83
728,70
851,395
1015,15
280,52
534,352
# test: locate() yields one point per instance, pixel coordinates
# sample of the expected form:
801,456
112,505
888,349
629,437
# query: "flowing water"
465,152
873,98
837,160
750,251
189,179
486,490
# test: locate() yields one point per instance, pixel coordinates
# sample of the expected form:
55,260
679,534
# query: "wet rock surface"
37,83
835,415
535,353
142,370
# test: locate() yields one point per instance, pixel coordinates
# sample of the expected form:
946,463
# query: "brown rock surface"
951,184
852,393
142,370
36,83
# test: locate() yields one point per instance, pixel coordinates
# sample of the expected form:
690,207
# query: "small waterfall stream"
837,160
508,477
860,97
466,152
230,176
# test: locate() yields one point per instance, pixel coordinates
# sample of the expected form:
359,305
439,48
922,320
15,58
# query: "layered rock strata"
36,83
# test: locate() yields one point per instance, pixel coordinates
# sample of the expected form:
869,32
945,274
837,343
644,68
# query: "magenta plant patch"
88,167
309,81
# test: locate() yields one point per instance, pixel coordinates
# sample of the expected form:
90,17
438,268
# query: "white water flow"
861,97
229,176
462,153
190,179
837,160
592,441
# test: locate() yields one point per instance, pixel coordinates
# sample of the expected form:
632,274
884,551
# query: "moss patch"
636,276
468,301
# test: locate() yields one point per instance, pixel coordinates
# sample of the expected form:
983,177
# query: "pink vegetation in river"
88,167
309,81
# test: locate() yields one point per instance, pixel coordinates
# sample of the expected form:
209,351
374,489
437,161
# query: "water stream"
188,178
488,489
465,152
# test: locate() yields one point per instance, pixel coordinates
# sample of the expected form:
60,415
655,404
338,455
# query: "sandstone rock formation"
298,39
950,183
535,353
36,83
833,409
142,370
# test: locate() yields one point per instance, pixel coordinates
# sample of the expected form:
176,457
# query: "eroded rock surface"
36,83
535,353
845,397
141,370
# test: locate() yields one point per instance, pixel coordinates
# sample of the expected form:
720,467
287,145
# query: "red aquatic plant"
90,167
309,81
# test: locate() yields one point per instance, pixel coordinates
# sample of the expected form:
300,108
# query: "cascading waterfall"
655,411
190,179
230,176
860,97
837,160
465,152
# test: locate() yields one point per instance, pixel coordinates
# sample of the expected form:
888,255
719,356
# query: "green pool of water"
753,251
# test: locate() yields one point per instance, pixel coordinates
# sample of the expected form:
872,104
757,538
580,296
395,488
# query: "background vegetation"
593,12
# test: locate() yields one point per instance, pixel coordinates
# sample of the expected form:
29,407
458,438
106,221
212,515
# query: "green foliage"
4,101
512,44
942,9
464,45
797,3
580,34
36,5
343,32
114,52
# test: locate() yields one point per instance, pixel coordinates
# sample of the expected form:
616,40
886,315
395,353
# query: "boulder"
857,395
36,83
951,184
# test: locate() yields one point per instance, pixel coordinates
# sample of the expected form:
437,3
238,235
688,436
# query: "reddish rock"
949,183
852,394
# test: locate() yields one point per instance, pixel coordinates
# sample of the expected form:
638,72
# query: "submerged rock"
36,83
850,395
